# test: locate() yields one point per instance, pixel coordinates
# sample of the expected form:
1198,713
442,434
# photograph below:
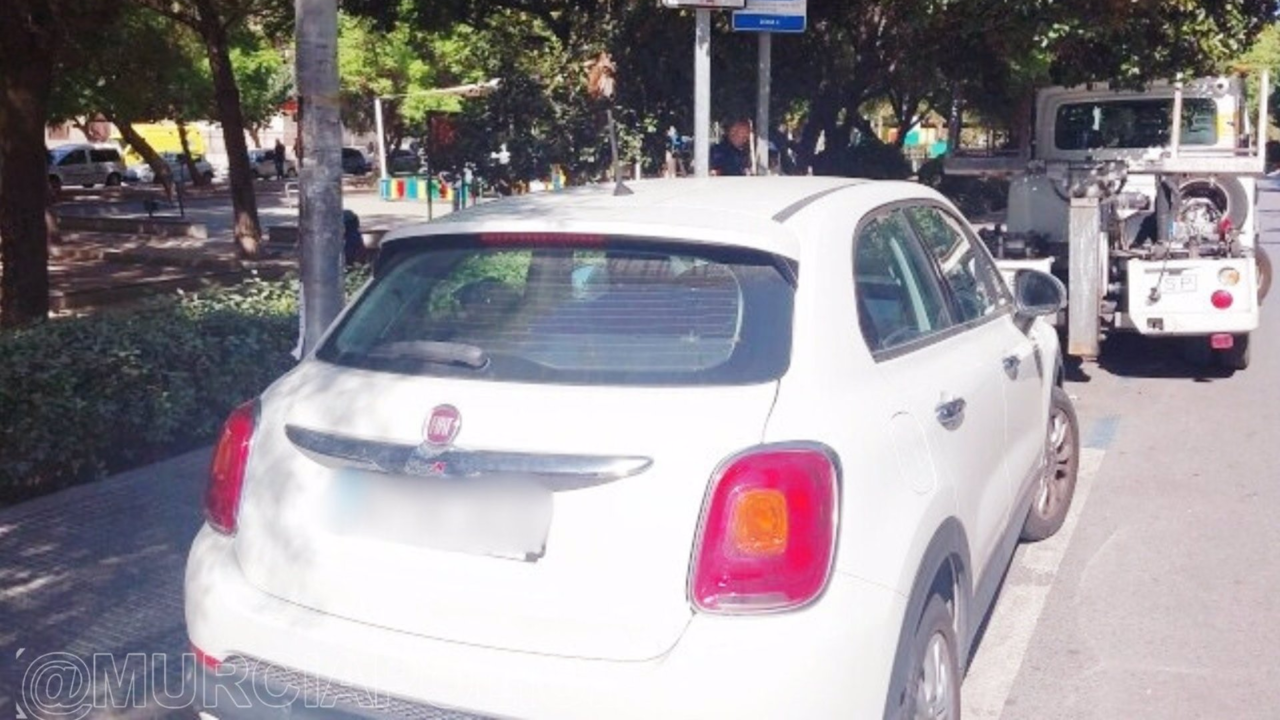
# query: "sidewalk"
91,270
98,569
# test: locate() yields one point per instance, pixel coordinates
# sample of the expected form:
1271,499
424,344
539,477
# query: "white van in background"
87,165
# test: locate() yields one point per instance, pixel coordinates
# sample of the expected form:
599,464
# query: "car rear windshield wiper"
445,353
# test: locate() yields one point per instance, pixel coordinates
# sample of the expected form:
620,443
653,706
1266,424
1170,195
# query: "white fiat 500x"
726,448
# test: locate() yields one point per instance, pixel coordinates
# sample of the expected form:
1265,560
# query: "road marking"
1102,433
1013,621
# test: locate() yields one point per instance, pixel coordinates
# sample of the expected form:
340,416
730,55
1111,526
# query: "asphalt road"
1160,598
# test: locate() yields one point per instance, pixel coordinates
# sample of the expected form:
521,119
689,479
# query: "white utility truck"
1144,204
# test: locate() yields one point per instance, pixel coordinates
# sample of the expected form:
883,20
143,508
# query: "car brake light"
541,238
226,475
205,658
768,531
1221,299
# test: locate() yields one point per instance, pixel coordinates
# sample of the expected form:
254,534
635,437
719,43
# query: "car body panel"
608,585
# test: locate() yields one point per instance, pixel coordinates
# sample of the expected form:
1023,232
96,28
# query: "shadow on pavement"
1135,356
91,593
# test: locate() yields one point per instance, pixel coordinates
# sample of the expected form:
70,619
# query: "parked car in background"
402,162
144,173
83,164
263,163
354,161
751,447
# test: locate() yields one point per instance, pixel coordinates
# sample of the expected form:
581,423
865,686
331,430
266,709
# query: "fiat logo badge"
442,425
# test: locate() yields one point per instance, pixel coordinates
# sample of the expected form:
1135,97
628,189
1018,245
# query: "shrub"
83,397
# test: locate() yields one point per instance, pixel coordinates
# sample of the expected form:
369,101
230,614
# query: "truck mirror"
1037,293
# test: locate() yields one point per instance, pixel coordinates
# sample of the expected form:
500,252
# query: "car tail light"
226,475
768,531
1228,277
1221,299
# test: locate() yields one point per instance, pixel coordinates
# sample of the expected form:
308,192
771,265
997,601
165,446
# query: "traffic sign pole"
702,93
763,78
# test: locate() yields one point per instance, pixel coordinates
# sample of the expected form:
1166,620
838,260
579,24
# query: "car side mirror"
1037,294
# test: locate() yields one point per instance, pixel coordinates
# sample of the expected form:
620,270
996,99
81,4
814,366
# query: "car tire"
55,184
931,687
1264,272
1057,483
208,177
113,180
1237,358
291,173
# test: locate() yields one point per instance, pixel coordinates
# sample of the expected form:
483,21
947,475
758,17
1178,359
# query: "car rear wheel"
933,686
1057,482
113,179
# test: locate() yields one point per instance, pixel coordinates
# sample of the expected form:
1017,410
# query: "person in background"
732,155
279,159
353,250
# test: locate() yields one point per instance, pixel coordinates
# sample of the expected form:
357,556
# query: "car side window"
898,297
974,283
75,157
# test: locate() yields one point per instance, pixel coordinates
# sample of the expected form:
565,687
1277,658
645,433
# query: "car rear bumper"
830,659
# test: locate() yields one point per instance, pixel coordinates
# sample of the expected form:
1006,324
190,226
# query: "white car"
726,448
263,164
87,165
143,172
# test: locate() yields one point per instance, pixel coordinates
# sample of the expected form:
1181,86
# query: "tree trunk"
192,172
320,222
163,174
26,78
227,95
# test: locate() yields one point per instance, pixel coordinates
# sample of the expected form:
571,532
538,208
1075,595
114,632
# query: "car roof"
759,212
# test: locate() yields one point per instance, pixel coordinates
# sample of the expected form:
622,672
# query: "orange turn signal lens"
759,522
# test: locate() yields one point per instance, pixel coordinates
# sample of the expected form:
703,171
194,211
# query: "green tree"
214,22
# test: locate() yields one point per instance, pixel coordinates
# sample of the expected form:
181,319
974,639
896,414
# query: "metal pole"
1177,117
320,181
382,138
763,72
1260,132
702,94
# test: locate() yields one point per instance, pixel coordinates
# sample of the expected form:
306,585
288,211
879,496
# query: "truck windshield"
1133,124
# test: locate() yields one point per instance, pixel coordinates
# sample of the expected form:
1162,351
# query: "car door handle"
951,413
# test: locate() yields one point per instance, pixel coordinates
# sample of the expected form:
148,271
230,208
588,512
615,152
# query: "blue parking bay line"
1102,433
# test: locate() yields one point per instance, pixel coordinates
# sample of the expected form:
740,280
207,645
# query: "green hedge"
84,397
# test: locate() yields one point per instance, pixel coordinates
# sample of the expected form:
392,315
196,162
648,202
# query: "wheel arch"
944,567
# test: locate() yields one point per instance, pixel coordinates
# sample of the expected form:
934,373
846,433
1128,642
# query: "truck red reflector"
768,531
1222,341
1221,299
226,474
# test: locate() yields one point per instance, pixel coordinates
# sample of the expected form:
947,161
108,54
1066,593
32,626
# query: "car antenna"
601,81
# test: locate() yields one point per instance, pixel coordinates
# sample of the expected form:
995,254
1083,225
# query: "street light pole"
382,138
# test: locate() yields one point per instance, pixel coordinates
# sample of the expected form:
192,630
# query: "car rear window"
572,309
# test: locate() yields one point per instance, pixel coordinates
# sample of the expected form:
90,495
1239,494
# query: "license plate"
1178,284
500,517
